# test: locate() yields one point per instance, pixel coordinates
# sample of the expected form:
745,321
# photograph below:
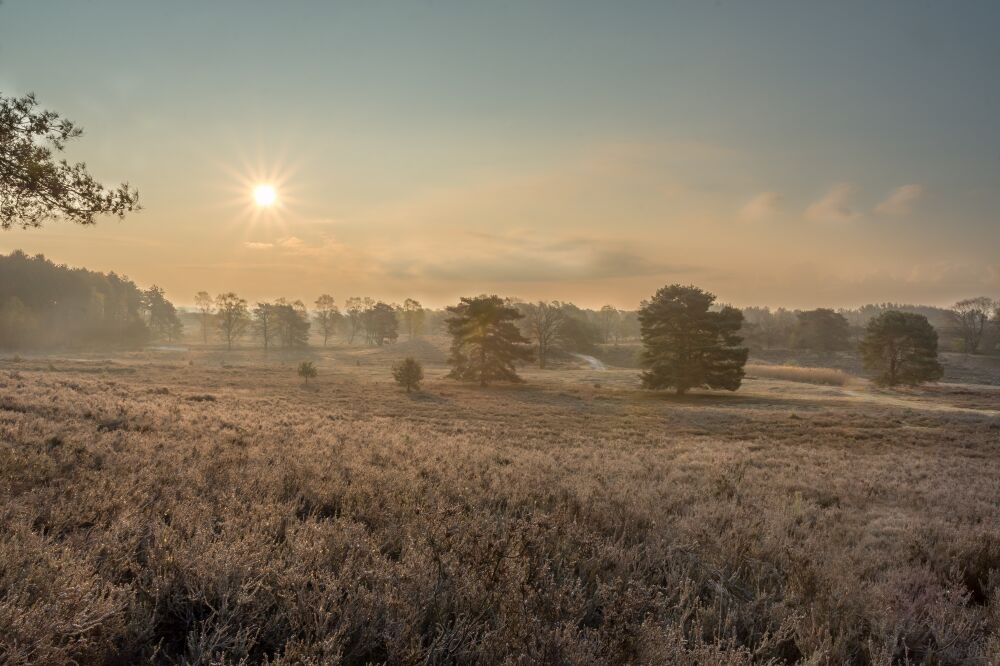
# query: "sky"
792,154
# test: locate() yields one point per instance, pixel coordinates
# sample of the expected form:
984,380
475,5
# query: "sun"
264,195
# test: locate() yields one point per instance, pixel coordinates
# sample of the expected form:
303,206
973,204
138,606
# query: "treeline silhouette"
47,305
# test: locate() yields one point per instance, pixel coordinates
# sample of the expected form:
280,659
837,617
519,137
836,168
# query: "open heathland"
194,506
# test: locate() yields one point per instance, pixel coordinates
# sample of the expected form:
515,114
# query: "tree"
543,322
161,315
354,307
307,371
901,348
822,330
233,317
608,318
291,323
576,334
45,305
205,307
686,345
413,318
263,323
970,317
408,373
326,316
34,186
379,322
486,342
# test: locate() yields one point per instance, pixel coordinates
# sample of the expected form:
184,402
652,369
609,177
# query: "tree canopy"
822,330
486,342
35,186
687,345
47,305
901,348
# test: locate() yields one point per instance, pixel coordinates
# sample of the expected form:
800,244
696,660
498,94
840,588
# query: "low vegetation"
792,373
545,522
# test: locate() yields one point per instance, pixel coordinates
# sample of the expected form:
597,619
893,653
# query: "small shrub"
307,371
408,373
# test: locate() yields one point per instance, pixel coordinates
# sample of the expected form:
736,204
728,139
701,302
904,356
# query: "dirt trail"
916,403
594,363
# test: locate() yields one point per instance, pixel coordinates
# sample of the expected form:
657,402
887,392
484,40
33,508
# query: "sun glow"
265,195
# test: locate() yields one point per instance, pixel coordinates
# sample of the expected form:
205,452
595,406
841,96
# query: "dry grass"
555,522
792,373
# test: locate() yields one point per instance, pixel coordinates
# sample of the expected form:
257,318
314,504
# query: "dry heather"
793,373
175,514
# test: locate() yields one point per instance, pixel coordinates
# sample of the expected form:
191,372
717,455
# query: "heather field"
198,507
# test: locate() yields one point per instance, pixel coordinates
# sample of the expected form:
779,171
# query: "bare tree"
354,307
326,316
233,317
970,317
206,306
543,322
413,317
263,323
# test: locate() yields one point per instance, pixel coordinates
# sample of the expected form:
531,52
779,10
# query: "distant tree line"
45,305
971,326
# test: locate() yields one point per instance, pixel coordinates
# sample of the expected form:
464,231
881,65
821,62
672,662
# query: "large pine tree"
687,345
486,342
901,348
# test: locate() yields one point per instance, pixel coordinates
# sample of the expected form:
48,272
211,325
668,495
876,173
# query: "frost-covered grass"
152,510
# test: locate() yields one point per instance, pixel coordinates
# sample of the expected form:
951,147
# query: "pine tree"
687,345
486,342
901,348
408,373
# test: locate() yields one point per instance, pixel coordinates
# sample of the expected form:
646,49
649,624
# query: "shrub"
307,370
408,373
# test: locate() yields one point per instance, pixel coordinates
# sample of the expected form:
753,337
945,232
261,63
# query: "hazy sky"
783,153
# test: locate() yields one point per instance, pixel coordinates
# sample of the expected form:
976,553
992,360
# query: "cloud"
835,204
900,200
524,256
254,245
764,205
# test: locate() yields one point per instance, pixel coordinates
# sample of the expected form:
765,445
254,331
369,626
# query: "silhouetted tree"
326,316
486,342
233,317
307,371
822,330
205,306
34,185
901,348
413,318
686,345
354,307
44,305
291,324
576,334
608,318
161,315
263,323
381,324
542,322
970,317
408,373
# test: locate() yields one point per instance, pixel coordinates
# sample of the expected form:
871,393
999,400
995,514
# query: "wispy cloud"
762,206
255,245
900,201
834,205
